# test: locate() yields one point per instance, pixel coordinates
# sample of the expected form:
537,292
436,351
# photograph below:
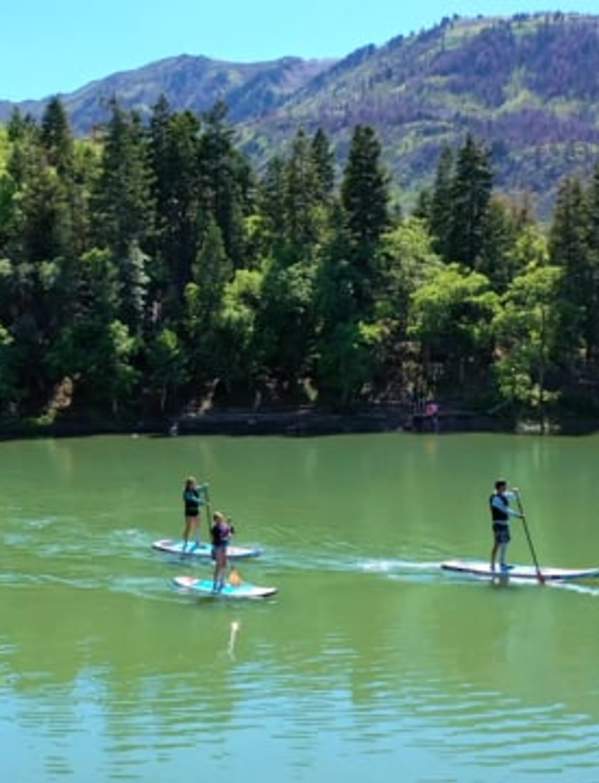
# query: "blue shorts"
501,533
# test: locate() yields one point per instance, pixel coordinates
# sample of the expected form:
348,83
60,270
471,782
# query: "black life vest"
498,514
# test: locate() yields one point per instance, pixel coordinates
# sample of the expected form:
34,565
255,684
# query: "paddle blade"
235,578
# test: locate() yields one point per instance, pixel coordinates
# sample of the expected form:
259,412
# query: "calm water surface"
370,664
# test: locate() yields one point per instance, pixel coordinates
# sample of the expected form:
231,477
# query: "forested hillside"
526,85
154,267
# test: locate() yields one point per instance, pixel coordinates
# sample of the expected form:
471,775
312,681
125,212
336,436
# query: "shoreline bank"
291,422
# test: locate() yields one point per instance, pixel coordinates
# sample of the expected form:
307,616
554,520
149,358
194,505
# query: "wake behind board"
203,551
482,569
205,587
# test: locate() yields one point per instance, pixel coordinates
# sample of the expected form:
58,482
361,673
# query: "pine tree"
46,227
223,174
569,248
134,287
496,259
323,160
364,190
56,137
365,199
174,156
470,194
593,202
423,207
271,201
441,203
212,270
301,187
123,202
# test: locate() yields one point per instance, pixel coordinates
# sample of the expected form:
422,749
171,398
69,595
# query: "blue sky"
51,46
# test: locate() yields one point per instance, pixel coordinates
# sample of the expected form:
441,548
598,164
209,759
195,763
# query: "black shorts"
194,513
501,533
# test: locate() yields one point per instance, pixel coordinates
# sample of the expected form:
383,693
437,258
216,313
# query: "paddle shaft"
208,509
540,576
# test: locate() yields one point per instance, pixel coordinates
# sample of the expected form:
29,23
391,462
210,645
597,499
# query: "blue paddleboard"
205,587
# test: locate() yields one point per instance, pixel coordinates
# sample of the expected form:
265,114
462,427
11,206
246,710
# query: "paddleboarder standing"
221,531
193,499
499,503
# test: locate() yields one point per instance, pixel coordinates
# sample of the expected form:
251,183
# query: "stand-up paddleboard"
205,587
203,551
483,569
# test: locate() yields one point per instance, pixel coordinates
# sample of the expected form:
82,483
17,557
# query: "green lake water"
370,664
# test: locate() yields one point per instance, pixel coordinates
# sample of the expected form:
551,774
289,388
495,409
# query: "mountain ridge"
192,82
525,84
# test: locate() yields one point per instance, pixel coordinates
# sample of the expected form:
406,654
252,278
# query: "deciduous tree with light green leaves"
527,327
451,317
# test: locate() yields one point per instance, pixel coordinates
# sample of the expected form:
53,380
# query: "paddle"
208,509
540,576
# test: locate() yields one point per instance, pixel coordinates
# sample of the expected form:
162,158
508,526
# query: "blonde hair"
218,516
189,482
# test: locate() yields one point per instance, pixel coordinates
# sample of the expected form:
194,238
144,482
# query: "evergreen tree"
364,190
470,195
423,207
44,215
211,273
300,196
223,178
56,137
271,205
365,199
134,287
174,155
496,259
441,203
323,160
569,249
123,204
593,202
344,353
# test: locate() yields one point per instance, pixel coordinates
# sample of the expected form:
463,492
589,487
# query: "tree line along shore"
150,270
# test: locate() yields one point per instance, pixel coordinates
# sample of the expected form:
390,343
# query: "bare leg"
191,526
186,531
494,555
220,568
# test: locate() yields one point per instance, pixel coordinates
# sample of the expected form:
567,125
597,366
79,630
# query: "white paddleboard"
205,587
482,569
203,551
